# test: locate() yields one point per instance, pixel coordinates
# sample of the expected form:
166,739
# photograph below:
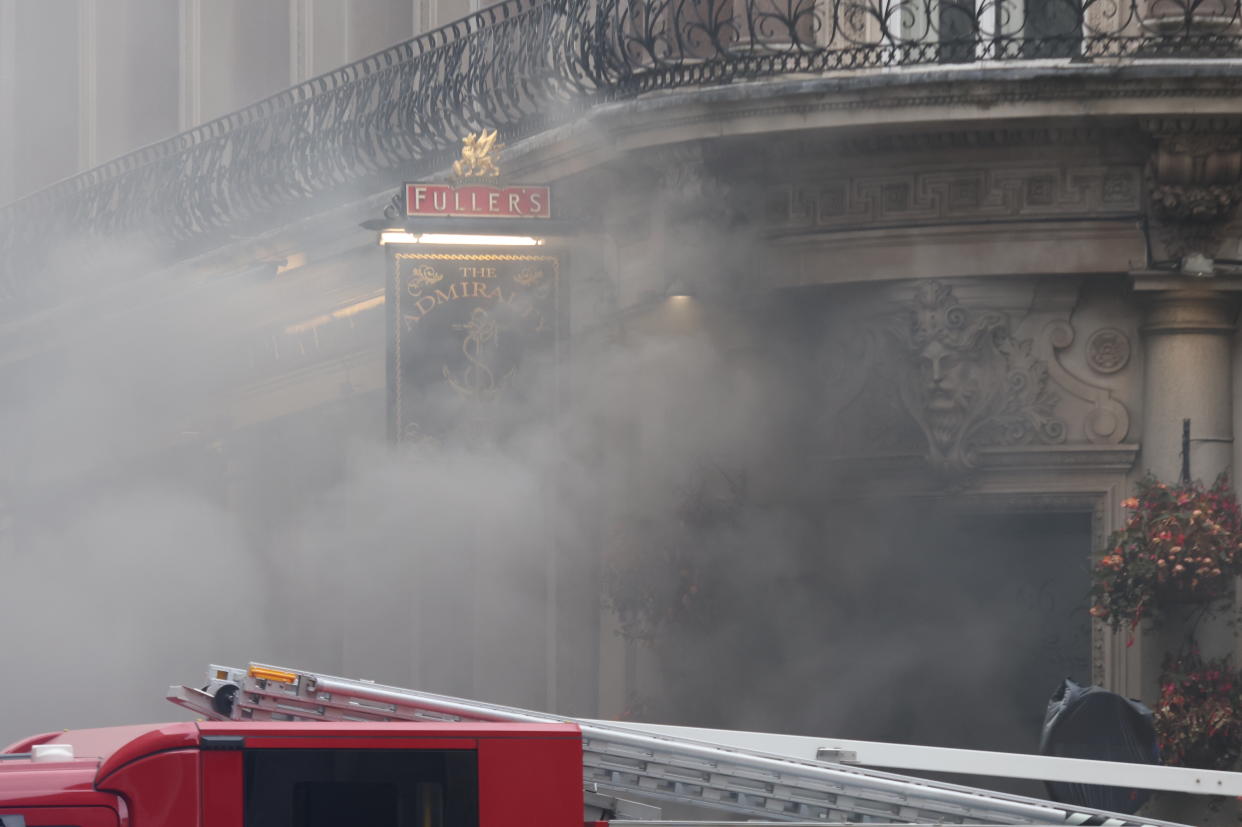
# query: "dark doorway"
975,619
907,622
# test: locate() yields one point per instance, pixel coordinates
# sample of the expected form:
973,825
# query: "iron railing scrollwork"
524,65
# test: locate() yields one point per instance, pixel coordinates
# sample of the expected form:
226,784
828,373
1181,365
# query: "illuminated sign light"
402,237
478,201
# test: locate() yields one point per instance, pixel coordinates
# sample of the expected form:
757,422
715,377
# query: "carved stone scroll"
1107,421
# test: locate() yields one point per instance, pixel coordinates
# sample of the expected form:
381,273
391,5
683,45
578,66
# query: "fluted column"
88,86
8,111
1188,342
134,80
242,49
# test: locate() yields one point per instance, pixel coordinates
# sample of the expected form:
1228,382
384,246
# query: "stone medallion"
1108,350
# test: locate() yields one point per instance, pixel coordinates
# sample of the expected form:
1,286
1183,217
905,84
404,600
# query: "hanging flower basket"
1180,543
650,577
655,567
1198,718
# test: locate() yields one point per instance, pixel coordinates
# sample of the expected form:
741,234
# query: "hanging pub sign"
473,307
466,326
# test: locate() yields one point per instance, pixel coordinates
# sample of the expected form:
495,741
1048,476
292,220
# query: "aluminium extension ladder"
623,759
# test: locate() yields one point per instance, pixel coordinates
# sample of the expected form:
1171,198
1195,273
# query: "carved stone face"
956,377
950,384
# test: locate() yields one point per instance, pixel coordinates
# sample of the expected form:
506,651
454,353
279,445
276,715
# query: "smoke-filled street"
850,370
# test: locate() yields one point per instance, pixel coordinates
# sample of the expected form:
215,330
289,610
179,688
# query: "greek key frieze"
954,196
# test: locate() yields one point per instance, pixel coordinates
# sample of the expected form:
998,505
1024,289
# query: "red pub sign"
478,201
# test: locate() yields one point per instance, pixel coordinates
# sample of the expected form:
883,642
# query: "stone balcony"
530,66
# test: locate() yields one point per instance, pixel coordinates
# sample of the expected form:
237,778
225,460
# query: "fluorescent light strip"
399,237
489,240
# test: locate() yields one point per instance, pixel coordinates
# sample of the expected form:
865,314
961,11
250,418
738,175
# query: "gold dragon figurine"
478,156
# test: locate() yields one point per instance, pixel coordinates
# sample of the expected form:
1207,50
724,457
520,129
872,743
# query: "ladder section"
620,761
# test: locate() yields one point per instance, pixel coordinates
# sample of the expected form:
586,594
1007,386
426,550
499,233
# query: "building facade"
83,82
873,316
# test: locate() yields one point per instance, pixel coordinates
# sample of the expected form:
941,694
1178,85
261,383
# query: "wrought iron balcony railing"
524,65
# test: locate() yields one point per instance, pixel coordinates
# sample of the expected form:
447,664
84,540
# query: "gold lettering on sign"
451,296
457,290
522,290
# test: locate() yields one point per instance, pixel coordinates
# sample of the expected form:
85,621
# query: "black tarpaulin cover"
1091,722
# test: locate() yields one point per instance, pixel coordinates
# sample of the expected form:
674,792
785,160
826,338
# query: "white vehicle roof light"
47,753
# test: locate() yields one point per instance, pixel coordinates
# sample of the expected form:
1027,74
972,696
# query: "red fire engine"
287,748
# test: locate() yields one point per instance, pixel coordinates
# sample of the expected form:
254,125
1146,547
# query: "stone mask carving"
968,382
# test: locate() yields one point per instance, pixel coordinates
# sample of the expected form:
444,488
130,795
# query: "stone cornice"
973,138
1111,96
1019,470
1060,457
1078,457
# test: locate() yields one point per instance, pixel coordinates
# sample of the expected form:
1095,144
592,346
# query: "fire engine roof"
111,747
98,752
96,744
468,729
63,782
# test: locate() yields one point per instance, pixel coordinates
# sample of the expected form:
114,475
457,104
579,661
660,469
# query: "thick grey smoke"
119,564
141,551
140,547
148,535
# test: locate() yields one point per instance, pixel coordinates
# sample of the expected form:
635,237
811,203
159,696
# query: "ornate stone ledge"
1118,458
